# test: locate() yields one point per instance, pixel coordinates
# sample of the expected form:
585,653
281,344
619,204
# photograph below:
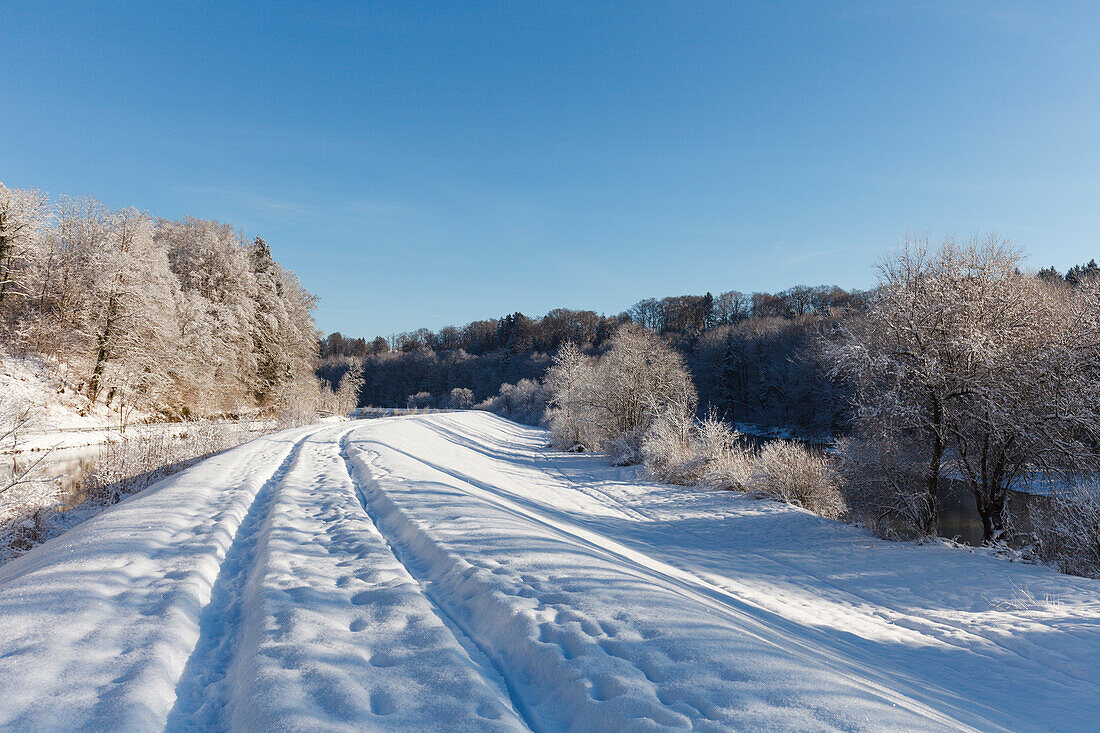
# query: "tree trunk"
985,511
5,259
938,446
5,248
993,507
103,341
100,360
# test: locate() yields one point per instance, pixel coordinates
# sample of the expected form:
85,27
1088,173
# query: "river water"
69,466
959,519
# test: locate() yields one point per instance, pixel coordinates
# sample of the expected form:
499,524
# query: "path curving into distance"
447,572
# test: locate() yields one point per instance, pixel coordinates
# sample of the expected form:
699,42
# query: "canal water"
959,518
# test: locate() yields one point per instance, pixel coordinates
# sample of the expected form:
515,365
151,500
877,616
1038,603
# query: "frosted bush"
608,404
523,402
679,449
885,485
626,449
25,511
1068,530
726,463
670,449
793,473
31,512
143,458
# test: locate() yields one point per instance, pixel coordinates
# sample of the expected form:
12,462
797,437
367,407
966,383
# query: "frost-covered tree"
568,383
130,302
48,320
347,393
24,215
283,335
610,405
961,360
640,377
461,398
175,317
209,260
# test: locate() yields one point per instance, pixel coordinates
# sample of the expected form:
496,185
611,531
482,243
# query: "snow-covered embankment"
444,571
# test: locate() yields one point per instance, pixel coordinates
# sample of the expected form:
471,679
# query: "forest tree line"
177,318
752,356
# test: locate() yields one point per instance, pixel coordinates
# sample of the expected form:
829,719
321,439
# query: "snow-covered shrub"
608,404
419,401
680,449
140,459
727,463
626,449
290,413
671,449
1068,530
26,508
524,401
791,472
527,402
461,398
32,511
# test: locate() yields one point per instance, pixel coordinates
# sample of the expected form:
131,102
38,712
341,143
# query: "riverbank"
50,491
69,438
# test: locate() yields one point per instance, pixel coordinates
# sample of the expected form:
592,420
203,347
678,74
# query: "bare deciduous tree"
461,398
23,217
182,318
961,360
617,398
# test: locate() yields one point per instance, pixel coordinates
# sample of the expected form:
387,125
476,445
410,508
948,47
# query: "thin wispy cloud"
371,207
819,253
295,211
275,209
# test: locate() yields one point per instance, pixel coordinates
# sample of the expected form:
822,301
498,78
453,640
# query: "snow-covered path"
445,572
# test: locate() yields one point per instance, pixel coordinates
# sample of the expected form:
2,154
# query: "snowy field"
446,572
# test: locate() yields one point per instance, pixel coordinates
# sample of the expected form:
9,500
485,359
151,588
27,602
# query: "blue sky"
427,164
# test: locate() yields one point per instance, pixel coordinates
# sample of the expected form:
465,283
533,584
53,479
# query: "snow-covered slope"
444,572
60,416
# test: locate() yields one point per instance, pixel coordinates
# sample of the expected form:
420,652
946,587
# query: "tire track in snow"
772,630
939,630
203,689
491,668
338,636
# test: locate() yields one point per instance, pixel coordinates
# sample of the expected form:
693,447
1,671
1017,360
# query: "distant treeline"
751,355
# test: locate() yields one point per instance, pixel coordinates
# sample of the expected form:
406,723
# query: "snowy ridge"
486,660
339,635
445,572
